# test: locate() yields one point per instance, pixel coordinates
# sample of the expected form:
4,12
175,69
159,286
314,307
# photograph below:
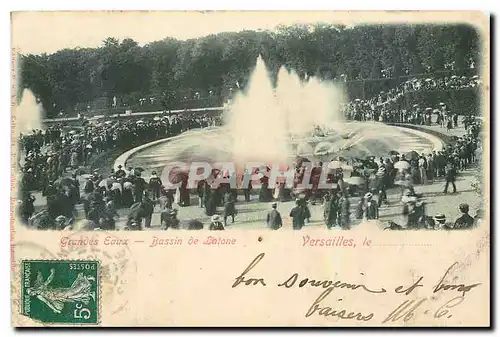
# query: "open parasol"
355,181
402,165
323,149
304,149
334,164
106,181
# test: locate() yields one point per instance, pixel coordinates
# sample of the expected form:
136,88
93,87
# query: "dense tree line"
173,71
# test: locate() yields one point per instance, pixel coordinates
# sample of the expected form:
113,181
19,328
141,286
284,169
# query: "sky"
47,32
39,32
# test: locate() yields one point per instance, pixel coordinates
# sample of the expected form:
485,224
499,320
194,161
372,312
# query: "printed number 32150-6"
81,312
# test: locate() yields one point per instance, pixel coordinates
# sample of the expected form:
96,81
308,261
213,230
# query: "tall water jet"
269,124
289,93
29,113
255,121
263,119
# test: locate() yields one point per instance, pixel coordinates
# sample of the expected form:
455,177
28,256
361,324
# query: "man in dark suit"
451,176
147,206
274,220
300,214
139,187
465,221
120,173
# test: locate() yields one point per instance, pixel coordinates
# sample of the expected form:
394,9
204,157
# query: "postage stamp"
61,291
330,168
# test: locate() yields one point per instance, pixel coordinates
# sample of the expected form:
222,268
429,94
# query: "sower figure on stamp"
55,298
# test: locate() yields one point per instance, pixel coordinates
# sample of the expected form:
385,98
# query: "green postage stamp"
56,291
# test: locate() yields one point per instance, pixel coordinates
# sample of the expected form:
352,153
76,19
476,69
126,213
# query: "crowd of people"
392,107
48,155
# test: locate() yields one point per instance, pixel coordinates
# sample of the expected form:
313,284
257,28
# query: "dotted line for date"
402,245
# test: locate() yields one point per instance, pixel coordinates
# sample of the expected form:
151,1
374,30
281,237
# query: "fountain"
276,124
28,113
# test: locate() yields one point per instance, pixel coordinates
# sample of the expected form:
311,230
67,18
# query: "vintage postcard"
276,169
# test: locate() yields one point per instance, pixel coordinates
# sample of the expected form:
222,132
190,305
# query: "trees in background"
173,71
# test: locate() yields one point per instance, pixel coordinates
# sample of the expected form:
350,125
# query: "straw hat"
440,217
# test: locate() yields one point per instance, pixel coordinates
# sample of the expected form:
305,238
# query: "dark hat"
119,166
464,208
